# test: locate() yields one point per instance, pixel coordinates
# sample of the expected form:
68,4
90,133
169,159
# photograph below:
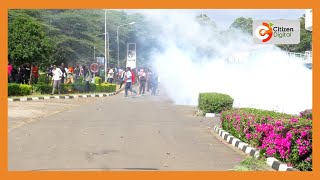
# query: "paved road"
116,133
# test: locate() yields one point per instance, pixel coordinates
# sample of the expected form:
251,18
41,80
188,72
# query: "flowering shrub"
285,137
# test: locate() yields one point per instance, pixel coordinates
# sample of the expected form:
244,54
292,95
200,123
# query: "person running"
57,75
142,81
122,78
70,75
128,81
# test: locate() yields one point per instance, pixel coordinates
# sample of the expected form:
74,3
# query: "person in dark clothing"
149,80
14,75
142,81
77,71
64,73
154,83
21,74
27,73
49,74
87,77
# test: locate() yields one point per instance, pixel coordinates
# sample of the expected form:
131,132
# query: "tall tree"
244,24
28,42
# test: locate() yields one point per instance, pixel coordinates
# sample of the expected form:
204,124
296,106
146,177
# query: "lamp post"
118,38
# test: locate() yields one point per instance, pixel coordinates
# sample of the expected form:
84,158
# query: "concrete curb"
66,96
271,161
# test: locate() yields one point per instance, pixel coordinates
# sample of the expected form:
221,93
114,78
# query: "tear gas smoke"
199,59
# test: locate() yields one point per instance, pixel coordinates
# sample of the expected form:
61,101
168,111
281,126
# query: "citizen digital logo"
282,32
276,31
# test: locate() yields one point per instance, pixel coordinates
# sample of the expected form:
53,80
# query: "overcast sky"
224,17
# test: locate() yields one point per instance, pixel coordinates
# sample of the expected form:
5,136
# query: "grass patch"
251,164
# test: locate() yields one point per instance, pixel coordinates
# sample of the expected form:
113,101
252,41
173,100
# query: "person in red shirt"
35,73
9,72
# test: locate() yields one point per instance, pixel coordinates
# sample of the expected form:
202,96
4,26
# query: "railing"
305,57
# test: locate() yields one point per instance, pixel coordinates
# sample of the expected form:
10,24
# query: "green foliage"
19,89
244,24
283,136
42,78
28,42
42,88
13,89
75,33
251,164
106,87
97,80
214,102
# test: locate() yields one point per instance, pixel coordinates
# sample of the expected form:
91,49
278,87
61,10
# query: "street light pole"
118,39
105,46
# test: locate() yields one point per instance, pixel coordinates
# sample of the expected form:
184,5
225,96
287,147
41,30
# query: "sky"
224,17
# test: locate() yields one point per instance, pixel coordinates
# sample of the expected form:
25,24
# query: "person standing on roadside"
142,81
35,73
9,73
149,80
87,77
154,83
111,75
57,75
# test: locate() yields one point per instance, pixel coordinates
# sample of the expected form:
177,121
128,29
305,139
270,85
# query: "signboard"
131,55
94,67
100,61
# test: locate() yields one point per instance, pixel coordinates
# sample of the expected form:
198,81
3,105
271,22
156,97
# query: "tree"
244,24
28,42
205,20
305,40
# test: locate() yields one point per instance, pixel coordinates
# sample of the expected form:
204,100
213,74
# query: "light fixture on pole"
118,39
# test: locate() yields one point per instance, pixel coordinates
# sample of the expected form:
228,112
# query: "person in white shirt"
128,80
57,74
111,75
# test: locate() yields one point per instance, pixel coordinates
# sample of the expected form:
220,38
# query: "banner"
100,61
131,55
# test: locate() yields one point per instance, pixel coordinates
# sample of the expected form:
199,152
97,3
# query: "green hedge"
19,89
97,80
214,102
42,88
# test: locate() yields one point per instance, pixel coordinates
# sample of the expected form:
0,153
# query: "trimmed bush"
42,88
13,89
97,80
79,87
66,88
19,89
106,87
285,137
42,78
214,102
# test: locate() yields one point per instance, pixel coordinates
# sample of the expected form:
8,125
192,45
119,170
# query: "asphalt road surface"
114,133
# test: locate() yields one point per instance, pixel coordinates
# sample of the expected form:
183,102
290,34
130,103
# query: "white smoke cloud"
265,78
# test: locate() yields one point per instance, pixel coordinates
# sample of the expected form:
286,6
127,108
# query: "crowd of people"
147,80
24,74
